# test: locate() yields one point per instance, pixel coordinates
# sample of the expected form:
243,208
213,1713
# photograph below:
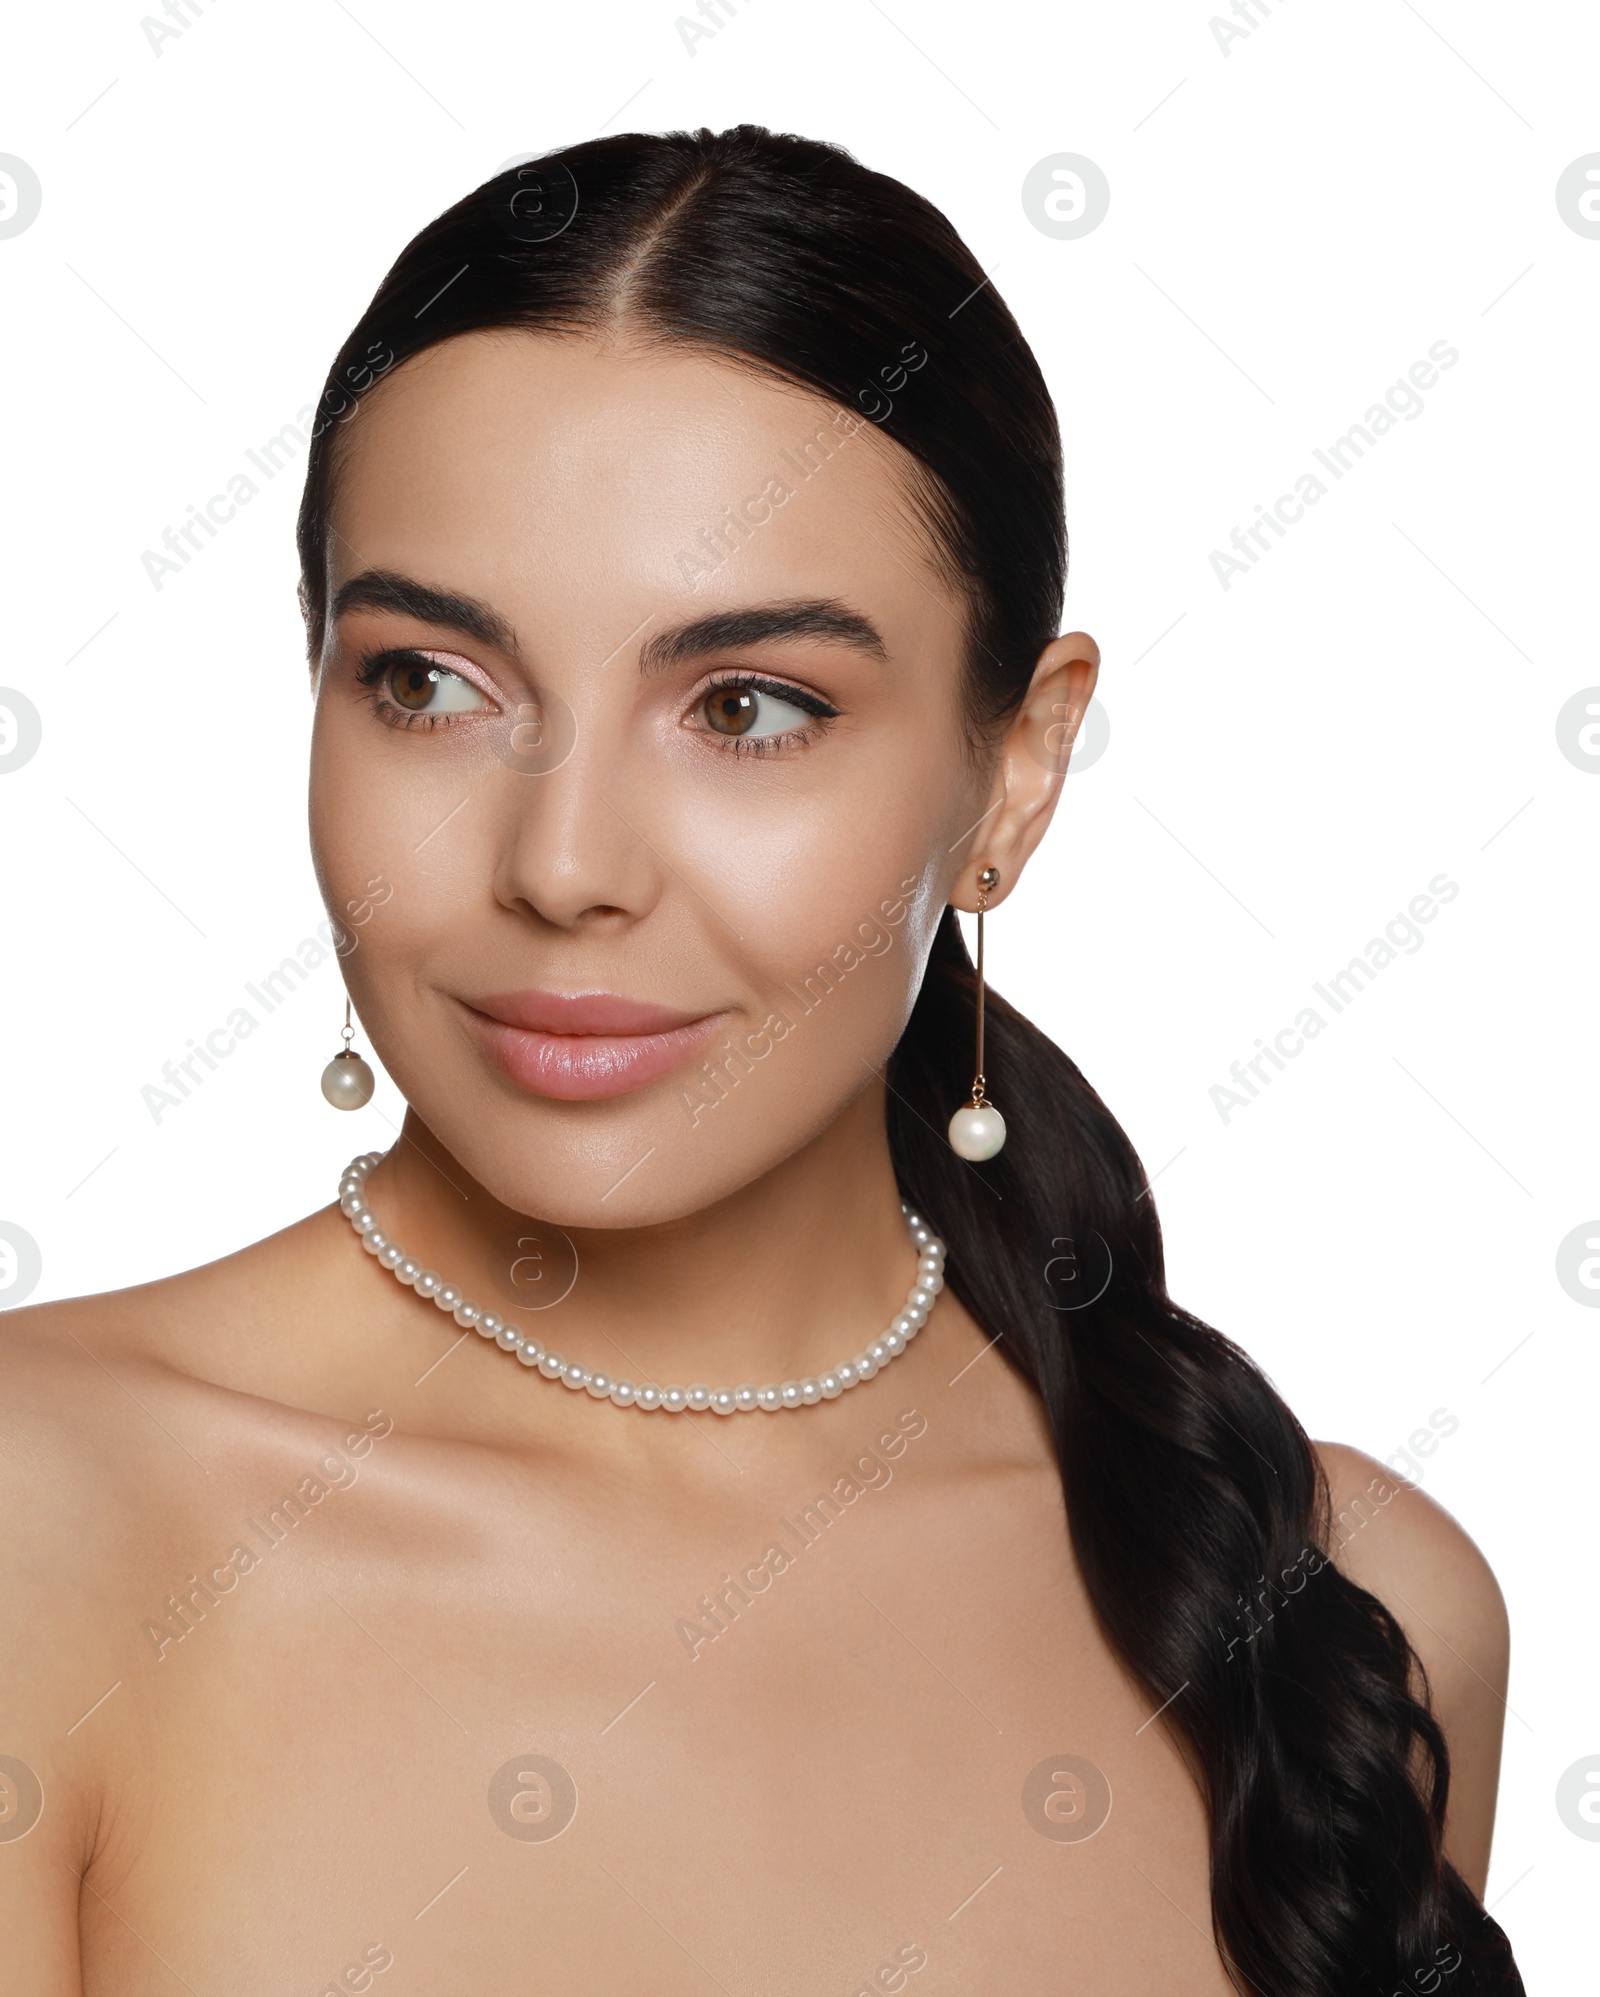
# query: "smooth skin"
292,1790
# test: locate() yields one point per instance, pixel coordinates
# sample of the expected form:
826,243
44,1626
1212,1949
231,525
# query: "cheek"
387,870
847,878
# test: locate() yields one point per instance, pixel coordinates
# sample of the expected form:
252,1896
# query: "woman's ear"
1030,768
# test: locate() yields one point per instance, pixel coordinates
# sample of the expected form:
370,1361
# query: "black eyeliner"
808,703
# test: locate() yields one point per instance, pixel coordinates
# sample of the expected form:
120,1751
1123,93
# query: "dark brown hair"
1187,1481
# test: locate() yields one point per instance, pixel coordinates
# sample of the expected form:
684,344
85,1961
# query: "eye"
759,711
421,686
408,686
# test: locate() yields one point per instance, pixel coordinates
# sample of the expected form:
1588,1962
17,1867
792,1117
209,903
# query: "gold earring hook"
988,879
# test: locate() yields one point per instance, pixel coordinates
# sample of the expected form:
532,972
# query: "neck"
782,1278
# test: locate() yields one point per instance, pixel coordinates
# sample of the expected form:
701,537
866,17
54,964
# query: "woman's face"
640,777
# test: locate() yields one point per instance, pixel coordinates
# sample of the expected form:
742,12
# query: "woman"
683,562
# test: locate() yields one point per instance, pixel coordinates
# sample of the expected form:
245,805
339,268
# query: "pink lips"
587,1045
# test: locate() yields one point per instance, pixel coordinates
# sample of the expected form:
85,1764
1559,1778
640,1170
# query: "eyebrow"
384,589
720,631
727,630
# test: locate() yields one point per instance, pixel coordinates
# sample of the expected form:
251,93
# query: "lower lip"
587,1067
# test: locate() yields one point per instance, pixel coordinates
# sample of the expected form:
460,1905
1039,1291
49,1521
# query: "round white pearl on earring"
977,1133
347,1081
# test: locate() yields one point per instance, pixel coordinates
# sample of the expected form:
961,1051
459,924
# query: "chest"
813,1741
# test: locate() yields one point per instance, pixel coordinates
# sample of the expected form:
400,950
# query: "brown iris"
731,709
412,686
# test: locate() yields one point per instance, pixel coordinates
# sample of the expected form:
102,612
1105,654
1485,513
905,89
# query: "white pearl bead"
865,1365
347,1082
977,1133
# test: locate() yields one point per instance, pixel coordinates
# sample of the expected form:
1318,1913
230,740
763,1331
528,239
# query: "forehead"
588,485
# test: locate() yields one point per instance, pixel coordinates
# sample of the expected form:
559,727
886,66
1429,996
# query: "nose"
568,850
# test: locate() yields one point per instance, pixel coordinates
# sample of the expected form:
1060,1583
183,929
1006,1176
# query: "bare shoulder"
1406,1549
113,1409
122,1417
67,1470
1393,1540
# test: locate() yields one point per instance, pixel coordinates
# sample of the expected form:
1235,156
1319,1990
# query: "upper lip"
582,1013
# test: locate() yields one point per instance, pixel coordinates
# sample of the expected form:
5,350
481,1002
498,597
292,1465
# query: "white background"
1294,221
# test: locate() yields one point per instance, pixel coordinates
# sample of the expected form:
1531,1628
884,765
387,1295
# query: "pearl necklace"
674,1400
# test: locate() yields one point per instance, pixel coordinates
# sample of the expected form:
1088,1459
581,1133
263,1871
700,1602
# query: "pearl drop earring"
978,1130
347,1081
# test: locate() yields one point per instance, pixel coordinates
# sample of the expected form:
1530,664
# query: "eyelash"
766,745
374,665
372,670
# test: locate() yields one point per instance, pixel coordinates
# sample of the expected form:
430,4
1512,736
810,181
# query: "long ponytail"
786,255
1326,1869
